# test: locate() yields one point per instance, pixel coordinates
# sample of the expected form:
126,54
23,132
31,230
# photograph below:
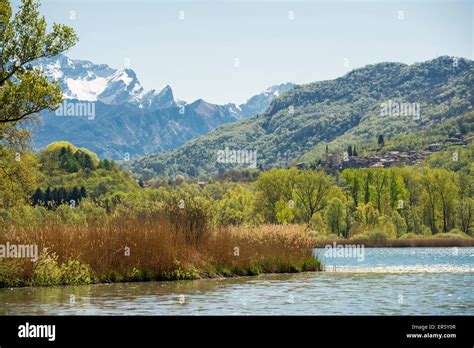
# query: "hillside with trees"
348,110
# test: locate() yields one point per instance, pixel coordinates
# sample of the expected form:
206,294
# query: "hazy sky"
273,41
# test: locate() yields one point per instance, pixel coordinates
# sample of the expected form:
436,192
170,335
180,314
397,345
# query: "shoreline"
401,243
205,276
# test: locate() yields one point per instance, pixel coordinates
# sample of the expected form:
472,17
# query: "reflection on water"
392,281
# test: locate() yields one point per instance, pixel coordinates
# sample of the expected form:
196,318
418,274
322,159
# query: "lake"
377,281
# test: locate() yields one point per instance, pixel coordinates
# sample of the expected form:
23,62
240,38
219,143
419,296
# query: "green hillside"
353,109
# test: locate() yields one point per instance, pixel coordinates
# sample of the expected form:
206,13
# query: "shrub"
75,273
46,271
454,233
179,273
10,273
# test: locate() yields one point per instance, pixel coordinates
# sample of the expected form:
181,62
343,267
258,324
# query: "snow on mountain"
260,102
83,80
154,100
128,118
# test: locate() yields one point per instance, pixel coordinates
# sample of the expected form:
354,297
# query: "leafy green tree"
430,199
335,216
17,177
412,219
352,181
272,186
24,91
399,222
236,207
366,215
447,191
367,181
380,187
465,214
311,190
285,212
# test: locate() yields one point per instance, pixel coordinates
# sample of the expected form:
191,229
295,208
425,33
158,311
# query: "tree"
47,195
37,197
367,215
236,207
399,222
284,212
354,152
349,151
24,91
75,194
352,182
381,140
272,186
380,187
83,192
17,177
311,190
466,214
335,216
368,179
431,198
446,190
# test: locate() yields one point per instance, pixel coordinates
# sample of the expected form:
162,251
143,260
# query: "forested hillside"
392,99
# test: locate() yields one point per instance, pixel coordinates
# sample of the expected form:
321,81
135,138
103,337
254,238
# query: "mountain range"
390,99
124,119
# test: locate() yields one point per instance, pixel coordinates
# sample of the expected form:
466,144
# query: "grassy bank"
152,248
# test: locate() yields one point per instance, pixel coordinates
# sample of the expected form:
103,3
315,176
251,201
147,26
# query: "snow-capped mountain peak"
83,80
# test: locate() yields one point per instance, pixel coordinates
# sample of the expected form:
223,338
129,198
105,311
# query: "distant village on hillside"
341,161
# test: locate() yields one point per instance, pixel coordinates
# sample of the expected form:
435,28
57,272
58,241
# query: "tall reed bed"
154,247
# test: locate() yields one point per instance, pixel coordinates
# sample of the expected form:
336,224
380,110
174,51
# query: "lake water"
387,281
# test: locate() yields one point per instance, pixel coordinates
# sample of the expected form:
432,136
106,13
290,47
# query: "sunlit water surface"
388,281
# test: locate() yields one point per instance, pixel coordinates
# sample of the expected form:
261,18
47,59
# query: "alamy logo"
237,156
27,251
77,109
37,331
344,251
391,108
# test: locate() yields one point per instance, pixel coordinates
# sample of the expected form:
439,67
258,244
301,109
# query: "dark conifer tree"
349,151
381,140
37,197
83,192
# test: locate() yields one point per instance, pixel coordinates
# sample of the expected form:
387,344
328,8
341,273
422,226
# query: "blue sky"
196,55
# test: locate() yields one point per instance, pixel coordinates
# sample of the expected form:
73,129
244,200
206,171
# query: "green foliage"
46,271
75,273
16,179
179,273
400,223
25,91
11,273
236,207
335,216
339,112
285,212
